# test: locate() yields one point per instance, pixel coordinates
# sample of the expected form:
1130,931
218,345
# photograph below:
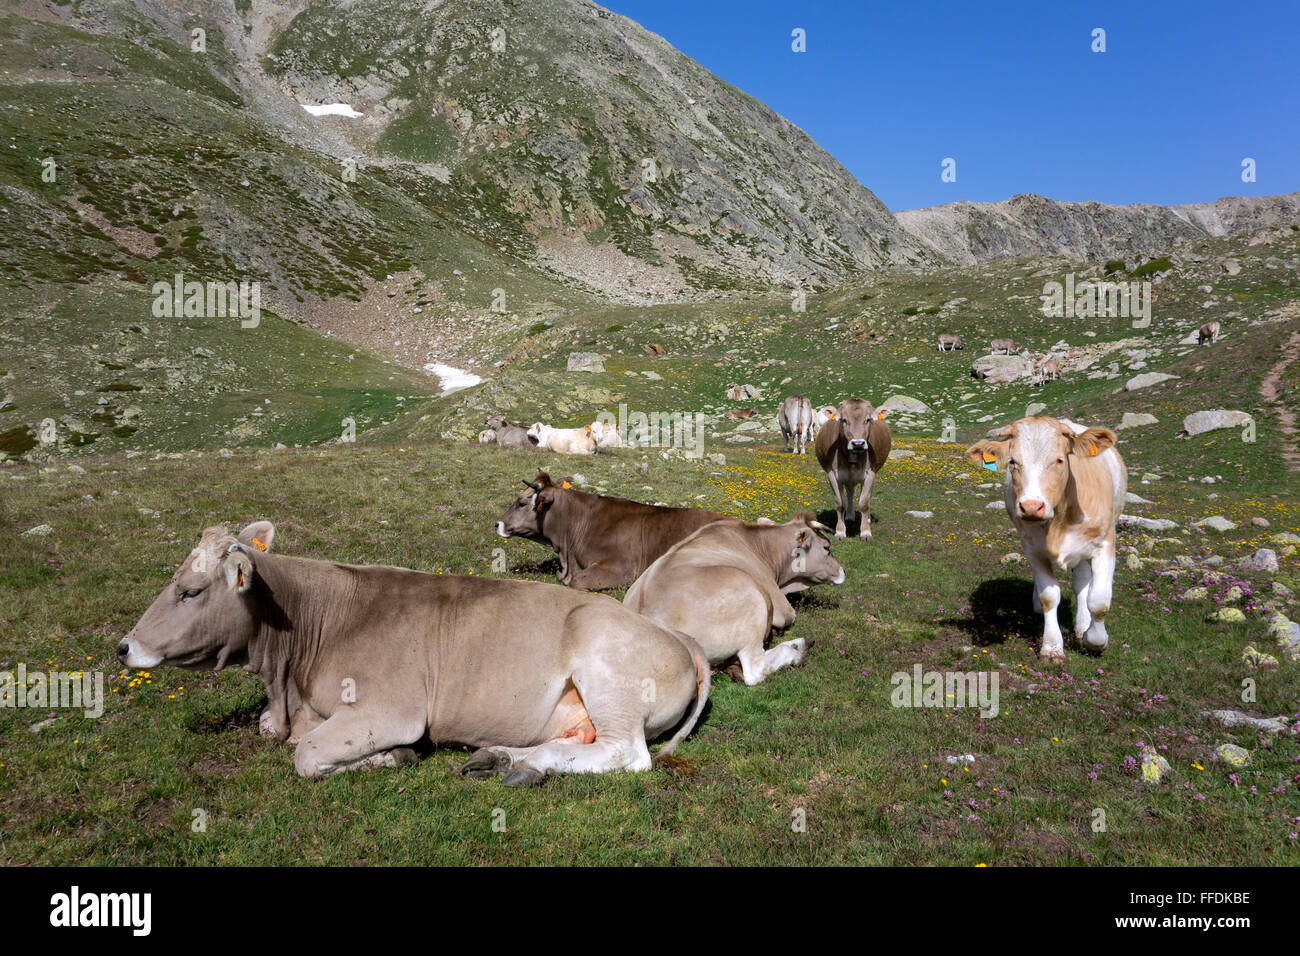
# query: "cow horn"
532,485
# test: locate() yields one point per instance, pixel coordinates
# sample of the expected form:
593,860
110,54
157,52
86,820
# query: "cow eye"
1060,461
191,593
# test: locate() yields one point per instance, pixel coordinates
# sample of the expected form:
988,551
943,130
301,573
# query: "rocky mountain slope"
1028,225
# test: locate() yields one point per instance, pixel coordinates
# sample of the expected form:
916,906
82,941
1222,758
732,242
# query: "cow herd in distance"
363,663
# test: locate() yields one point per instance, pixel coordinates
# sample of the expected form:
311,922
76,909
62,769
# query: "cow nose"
123,648
858,443
1031,508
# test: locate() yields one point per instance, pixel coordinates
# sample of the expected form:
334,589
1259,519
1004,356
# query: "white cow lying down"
568,441
1064,492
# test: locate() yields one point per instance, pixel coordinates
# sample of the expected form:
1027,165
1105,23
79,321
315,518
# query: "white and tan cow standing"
1006,346
1209,332
795,418
566,441
852,449
726,584
360,663
820,417
948,342
1064,491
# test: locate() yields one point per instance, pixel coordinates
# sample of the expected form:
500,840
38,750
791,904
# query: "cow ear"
239,572
802,541
1092,442
880,415
258,535
984,453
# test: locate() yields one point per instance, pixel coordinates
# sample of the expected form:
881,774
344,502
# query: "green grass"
822,739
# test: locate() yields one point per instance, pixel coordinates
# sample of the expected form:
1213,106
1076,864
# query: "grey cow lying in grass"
360,663
726,584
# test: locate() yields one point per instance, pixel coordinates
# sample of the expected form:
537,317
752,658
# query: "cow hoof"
401,756
522,777
840,535
1053,658
485,763
735,672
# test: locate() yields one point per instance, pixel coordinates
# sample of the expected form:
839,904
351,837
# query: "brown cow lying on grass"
601,542
360,663
726,584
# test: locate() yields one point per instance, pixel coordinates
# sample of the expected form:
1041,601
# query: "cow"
950,343
360,663
1209,332
606,434
726,584
510,435
820,417
567,441
487,437
740,413
601,542
1064,491
1003,345
795,419
851,449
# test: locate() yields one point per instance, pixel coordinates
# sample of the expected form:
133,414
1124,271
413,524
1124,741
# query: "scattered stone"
1136,420
1228,615
902,453
1259,522
1148,524
1231,266
1132,499
902,403
960,758
586,362
1215,522
1286,537
995,504
1232,755
1034,409
40,531
1146,379
1194,594
1265,559
919,514
1235,718
1001,368
1198,423
1014,557
1155,768
1258,659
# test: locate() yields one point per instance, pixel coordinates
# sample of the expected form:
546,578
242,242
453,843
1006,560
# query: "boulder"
902,403
1265,559
586,362
1198,423
1001,368
1215,522
1147,379
1136,420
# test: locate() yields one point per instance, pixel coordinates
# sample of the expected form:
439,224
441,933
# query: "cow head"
806,557
855,417
496,422
527,516
204,618
1036,454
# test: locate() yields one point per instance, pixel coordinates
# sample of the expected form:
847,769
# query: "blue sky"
1014,93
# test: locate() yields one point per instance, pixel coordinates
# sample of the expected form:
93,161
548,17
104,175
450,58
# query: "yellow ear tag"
257,543
990,461
566,485
1092,448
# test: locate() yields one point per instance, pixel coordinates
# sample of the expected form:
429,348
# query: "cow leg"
1082,576
353,739
1099,594
756,663
864,504
840,533
1049,598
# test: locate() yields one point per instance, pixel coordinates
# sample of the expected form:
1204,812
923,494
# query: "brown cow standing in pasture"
1209,333
852,448
601,542
948,342
795,418
360,663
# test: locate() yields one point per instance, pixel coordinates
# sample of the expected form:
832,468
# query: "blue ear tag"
990,462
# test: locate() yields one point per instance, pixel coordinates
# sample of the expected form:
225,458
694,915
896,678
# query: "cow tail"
703,681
